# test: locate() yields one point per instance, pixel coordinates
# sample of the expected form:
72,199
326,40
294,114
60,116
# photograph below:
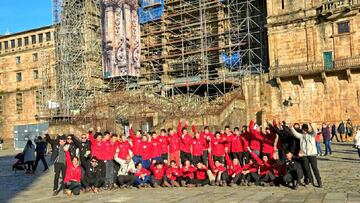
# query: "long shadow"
11,182
346,160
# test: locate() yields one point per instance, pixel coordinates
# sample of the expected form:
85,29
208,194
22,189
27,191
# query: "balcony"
293,70
329,7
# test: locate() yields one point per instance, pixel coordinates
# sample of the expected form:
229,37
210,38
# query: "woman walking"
29,156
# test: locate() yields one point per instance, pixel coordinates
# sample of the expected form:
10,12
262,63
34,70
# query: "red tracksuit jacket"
197,147
213,167
73,173
146,150
228,140
156,148
207,137
143,171
201,174
158,173
237,144
264,167
124,148
231,168
174,143
255,137
188,171
108,149
164,143
268,143
173,173
136,142
185,141
217,146
96,149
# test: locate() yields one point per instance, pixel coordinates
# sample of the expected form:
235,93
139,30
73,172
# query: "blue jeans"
146,164
136,159
318,148
139,181
109,178
158,158
327,147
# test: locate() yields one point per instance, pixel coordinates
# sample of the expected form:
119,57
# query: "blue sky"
20,15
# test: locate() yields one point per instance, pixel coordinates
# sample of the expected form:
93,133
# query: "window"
41,38
343,27
19,42
33,39
6,45
19,102
35,57
38,99
18,60
26,39
1,103
18,77
36,74
48,36
282,4
12,43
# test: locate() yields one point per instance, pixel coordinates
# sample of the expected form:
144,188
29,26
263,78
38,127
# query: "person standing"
318,144
357,141
40,153
334,133
341,130
58,158
325,131
308,152
349,131
29,156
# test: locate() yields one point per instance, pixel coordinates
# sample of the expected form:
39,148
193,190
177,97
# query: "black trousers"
92,182
253,177
196,159
335,135
42,158
30,165
270,177
292,176
218,158
75,187
126,179
307,162
205,157
155,181
59,168
201,182
246,157
239,156
237,179
185,156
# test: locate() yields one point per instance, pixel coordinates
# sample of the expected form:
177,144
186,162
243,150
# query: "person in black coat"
92,178
84,150
40,150
293,171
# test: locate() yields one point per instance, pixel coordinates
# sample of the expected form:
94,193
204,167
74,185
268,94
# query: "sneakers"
56,192
183,183
174,184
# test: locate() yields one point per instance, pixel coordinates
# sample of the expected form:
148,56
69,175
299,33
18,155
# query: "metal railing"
331,5
313,68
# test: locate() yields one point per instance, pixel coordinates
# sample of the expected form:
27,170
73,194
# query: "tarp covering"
150,10
231,61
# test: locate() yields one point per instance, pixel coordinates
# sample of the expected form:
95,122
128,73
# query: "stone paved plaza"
340,174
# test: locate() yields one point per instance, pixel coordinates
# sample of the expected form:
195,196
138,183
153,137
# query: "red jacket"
237,144
174,143
108,149
188,171
253,168
156,148
73,173
246,140
124,148
213,167
185,141
158,173
146,150
201,174
136,144
206,136
255,137
197,147
268,143
228,140
232,169
164,143
264,167
96,150
143,171
173,173
217,146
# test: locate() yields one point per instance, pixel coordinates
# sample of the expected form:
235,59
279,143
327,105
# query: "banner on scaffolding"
121,38
231,60
150,10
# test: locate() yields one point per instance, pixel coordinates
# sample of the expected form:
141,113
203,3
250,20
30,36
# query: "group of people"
276,155
33,154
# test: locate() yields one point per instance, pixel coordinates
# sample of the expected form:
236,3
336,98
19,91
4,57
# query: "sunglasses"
93,161
83,138
68,138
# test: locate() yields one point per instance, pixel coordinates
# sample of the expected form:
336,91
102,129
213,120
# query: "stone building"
23,57
314,59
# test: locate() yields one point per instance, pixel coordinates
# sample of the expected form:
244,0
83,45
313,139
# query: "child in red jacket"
73,174
233,174
142,176
217,170
217,147
265,168
197,149
187,172
201,177
158,178
173,174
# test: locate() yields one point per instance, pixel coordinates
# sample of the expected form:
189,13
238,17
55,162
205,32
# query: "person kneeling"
72,175
93,176
187,171
125,176
173,174
142,176
158,179
201,177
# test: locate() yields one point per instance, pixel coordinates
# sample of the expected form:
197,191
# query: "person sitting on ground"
92,179
73,174
217,169
293,171
142,176
265,170
125,176
173,174
187,172
233,173
201,177
158,177
250,173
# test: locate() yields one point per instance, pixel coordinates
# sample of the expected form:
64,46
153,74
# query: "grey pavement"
340,174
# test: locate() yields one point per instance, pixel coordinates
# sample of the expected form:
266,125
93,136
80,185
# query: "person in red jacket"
255,137
142,176
197,149
238,146
233,174
174,146
146,152
173,174
250,172
268,143
228,135
207,136
201,177
136,144
185,142
164,143
72,178
187,171
265,170
124,147
246,138
217,147
156,148
108,148
158,178
217,170
96,149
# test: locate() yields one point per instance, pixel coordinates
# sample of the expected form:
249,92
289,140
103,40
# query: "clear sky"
20,15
